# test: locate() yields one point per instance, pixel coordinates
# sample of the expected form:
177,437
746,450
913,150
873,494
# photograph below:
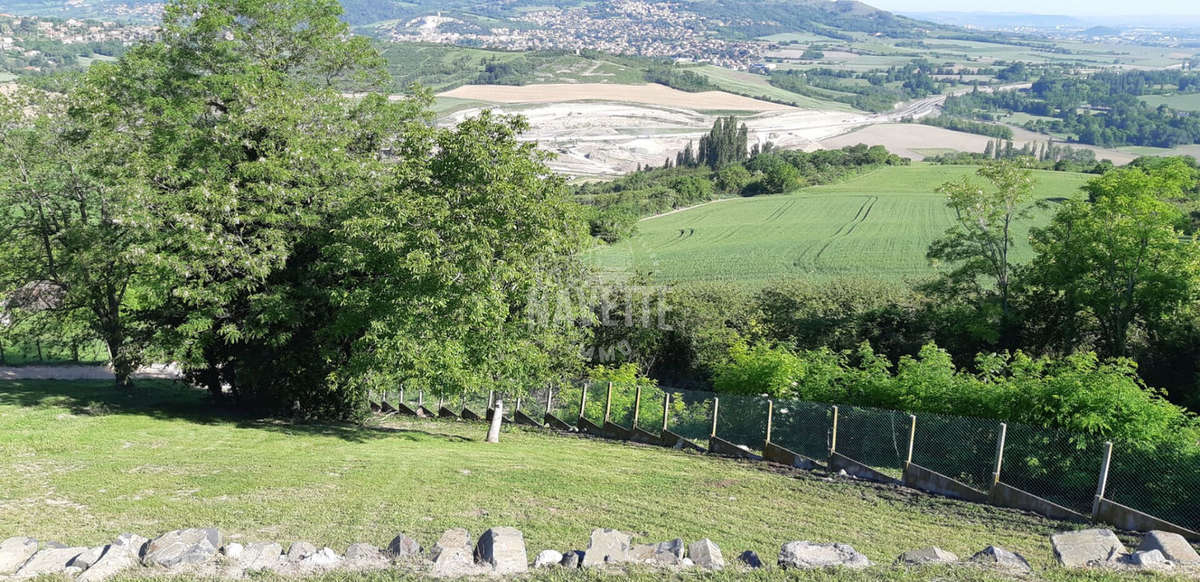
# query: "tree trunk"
123,366
493,435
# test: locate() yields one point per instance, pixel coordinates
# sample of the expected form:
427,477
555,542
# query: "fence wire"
1053,464
650,413
565,403
691,415
594,407
874,437
1163,482
959,447
742,420
802,427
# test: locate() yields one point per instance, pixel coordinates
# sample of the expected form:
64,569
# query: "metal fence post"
716,403
770,417
833,433
666,410
637,405
608,404
912,437
999,453
583,399
1103,483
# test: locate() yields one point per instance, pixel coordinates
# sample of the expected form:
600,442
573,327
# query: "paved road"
155,371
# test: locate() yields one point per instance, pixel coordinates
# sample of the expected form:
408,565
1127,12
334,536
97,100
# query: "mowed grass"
81,463
876,225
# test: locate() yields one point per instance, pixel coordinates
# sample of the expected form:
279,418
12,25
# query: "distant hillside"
731,19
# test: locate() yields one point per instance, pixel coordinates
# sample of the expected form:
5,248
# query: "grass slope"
80,463
876,225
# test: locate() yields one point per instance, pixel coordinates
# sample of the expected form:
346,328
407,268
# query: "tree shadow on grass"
172,400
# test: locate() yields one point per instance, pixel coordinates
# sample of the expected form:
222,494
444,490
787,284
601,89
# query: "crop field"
875,225
1184,102
750,84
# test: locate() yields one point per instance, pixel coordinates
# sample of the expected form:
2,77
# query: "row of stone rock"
1101,547
501,550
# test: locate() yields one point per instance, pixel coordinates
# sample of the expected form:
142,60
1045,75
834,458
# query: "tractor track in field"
863,212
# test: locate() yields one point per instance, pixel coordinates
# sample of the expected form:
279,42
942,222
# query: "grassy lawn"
876,225
80,463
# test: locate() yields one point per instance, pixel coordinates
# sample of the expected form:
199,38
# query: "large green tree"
1120,261
306,246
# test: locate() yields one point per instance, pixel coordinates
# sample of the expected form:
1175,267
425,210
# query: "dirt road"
156,371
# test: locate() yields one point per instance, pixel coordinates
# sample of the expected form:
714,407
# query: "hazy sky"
1068,7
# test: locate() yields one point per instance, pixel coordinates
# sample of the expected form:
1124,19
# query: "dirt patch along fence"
1043,470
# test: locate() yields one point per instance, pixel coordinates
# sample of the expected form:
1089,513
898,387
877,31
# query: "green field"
752,85
876,225
81,463
1184,102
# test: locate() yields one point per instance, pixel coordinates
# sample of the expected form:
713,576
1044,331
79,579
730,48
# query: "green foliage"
958,124
733,178
778,176
676,78
1118,261
1078,393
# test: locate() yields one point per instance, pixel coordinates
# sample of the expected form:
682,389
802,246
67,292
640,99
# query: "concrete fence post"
666,410
608,404
1103,483
770,417
583,399
833,432
912,437
637,405
999,453
716,404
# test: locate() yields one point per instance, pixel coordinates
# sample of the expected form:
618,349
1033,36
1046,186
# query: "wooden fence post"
491,399
420,398
401,395
716,403
637,405
1103,484
999,453
517,405
833,433
770,416
666,409
912,436
549,397
583,399
608,404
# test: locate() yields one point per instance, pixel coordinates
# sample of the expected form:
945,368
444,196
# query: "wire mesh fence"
742,420
959,447
691,415
1163,482
650,413
802,427
1052,464
874,437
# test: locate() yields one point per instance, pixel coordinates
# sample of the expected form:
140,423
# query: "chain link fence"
875,437
1052,464
1164,482
742,420
691,415
958,447
803,427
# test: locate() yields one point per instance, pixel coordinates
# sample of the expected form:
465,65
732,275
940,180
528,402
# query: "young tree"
980,241
1122,259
